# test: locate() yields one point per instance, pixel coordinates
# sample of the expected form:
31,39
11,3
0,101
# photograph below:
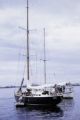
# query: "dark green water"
66,110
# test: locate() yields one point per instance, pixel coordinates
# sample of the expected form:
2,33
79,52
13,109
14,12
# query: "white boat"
66,89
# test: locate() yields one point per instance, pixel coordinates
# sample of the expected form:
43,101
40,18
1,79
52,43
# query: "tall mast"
27,42
44,58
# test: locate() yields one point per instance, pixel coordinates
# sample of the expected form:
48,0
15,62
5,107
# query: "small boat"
19,104
66,89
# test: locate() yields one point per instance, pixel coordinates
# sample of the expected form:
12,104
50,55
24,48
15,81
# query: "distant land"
76,84
12,86
24,86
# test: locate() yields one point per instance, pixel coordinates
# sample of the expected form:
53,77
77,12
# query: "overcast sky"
61,19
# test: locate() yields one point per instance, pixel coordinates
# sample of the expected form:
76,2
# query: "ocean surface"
66,110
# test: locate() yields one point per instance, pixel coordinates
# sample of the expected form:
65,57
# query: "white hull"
66,90
68,95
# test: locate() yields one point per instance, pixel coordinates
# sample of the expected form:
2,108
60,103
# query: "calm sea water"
67,110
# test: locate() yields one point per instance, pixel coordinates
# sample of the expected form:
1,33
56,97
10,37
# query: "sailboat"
36,95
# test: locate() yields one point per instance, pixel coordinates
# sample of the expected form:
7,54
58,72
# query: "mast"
28,77
44,58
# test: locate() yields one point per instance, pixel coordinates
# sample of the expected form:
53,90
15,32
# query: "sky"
61,20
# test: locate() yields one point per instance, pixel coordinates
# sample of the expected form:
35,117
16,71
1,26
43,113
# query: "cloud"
61,18
8,3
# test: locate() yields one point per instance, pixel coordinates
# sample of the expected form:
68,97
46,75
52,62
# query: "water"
67,110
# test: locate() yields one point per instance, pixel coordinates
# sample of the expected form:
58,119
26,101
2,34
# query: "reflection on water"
47,112
38,112
67,104
44,108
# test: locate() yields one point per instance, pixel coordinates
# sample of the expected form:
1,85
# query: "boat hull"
41,100
68,95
